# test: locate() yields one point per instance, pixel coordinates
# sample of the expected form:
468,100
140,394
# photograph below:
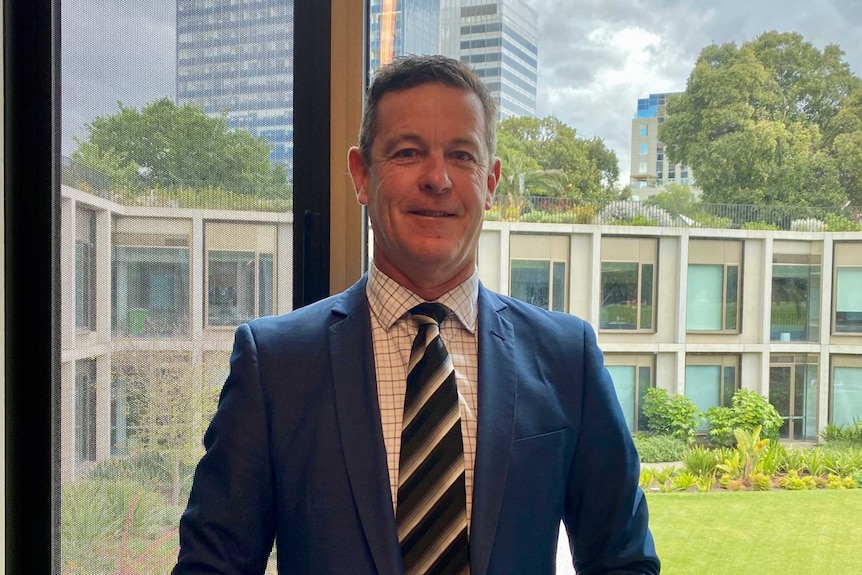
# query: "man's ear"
493,178
359,172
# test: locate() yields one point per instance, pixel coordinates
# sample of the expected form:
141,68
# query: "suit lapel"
359,424
497,382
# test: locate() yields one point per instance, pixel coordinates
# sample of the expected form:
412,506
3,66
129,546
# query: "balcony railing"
186,195
684,215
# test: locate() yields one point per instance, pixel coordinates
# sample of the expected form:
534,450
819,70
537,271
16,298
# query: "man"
306,446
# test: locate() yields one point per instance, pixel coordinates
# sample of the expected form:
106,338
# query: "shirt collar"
389,300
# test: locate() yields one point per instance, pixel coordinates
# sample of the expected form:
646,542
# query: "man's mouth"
432,214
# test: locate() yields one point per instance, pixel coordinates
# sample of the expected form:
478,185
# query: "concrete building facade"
694,311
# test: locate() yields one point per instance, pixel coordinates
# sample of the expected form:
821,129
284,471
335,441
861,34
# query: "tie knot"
436,312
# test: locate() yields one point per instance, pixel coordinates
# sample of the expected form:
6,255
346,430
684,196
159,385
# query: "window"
541,282
85,269
85,410
795,312
150,277
642,167
846,396
711,380
642,130
848,288
628,291
793,391
643,149
632,377
712,294
240,271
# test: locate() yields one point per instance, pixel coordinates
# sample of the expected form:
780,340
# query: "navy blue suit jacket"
295,451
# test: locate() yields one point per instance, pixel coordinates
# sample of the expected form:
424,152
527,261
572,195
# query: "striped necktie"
432,502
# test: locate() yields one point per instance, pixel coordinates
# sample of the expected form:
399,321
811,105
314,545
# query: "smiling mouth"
432,214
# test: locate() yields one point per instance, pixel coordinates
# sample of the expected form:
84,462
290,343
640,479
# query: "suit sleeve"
228,526
606,514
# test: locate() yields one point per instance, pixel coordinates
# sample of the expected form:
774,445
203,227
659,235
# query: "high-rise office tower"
650,167
401,27
499,39
236,58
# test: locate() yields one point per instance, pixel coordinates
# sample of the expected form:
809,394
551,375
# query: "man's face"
427,184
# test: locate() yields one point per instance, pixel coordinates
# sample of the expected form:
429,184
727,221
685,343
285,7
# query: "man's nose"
435,176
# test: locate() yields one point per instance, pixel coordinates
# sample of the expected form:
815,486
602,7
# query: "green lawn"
758,533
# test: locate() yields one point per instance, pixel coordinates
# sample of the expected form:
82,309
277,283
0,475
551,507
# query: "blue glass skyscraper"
400,27
235,58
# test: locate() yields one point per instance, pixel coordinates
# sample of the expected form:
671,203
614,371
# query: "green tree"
586,169
843,136
170,401
179,146
752,120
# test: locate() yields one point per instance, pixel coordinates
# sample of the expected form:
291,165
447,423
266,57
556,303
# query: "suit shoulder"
527,311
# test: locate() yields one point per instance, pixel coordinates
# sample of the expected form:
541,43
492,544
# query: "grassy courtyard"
758,533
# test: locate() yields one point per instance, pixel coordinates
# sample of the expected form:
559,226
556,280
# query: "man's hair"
408,72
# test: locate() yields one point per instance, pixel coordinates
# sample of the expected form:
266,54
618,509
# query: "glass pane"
795,303
779,395
805,403
151,291
703,386
731,302
529,281
704,297
177,139
230,287
644,383
265,291
848,296
647,279
619,295
623,377
559,286
729,386
846,395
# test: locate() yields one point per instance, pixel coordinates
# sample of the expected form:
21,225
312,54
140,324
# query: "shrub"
839,223
760,481
851,434
748,410
700,461
659,448
675,415
758,226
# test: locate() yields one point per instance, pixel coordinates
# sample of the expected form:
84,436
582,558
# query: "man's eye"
463,156
407,153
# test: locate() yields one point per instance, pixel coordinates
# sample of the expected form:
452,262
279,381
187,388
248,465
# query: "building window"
848,288
642,167
643,149
85,270
538,270
846,396
795,311
628,292
240,272
793,392
711,380
848,300
712,295
85,410
632,377
150,277
642,130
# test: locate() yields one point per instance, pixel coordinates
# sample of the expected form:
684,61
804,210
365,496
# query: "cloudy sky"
596,57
